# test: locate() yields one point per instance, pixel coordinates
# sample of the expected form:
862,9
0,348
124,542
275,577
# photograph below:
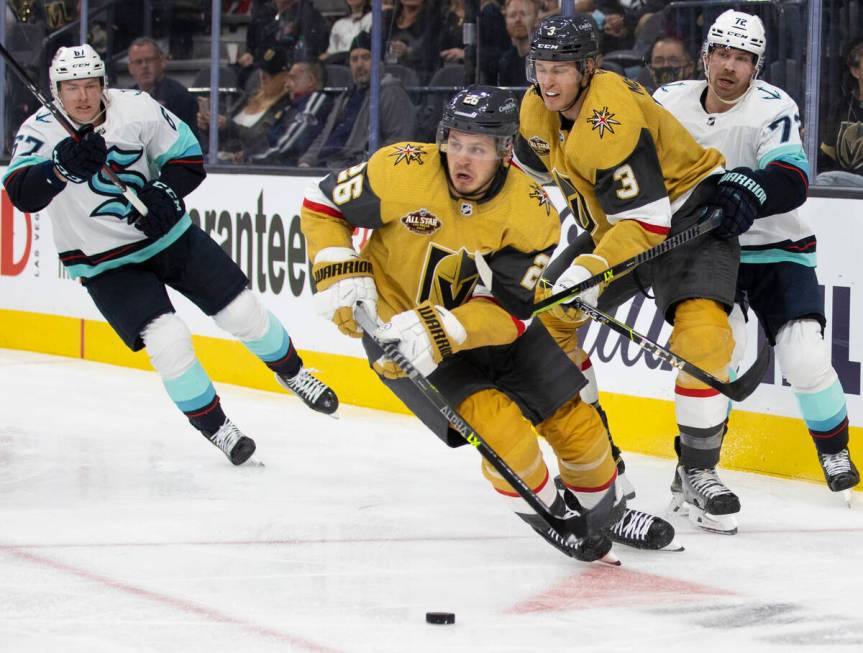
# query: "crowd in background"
302,72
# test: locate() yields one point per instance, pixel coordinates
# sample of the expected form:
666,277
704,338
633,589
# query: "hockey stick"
391,350
66,124
736,390
709,224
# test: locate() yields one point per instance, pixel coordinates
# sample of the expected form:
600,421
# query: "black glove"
79,161
740,197
164,209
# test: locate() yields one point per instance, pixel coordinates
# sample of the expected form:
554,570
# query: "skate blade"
334,415
677,507
846,494
253,461
610,559
673,546
720,524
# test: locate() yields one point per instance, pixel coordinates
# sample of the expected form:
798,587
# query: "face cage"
503,144
530,66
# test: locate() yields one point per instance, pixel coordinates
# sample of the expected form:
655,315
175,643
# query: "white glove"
425,336
337,299
573,276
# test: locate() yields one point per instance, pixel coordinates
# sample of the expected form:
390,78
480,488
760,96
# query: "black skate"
839,470
698,493
642,530
236,446
316,394
587,548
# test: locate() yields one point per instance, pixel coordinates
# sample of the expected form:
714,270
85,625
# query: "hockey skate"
698,493
315,393
840,472
642,530
589,548
236,446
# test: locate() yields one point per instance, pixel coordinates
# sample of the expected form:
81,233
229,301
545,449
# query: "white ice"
121,529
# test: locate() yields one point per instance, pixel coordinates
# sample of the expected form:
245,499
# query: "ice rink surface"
121,529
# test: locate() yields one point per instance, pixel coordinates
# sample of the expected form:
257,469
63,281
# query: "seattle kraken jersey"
624,165
762,128
88,219
424,239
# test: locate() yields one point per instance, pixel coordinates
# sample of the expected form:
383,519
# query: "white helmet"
77,62
735,29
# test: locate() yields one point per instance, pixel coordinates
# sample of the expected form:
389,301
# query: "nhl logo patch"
539,145
421,223
466,209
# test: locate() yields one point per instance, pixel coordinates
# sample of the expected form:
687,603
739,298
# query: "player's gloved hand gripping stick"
66,124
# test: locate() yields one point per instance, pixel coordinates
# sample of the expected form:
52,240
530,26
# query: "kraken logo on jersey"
449,277
407,153
421,223
538,145
603,120
538,193
118,160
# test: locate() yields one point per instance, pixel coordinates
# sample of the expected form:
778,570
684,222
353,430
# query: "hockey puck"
440,617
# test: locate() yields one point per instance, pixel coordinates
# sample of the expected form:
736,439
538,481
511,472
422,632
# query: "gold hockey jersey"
624,165
424,239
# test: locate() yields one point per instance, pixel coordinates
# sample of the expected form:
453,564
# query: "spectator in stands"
297,125
841,156
616,34
245,131
668,61
345,137
147,68
345,29
492,34
522,17
410,35
294,25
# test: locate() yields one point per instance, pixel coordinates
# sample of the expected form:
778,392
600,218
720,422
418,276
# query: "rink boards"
255,218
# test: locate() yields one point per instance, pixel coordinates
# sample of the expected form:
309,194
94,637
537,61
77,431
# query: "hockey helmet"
76,62
481,110
562,38
735,29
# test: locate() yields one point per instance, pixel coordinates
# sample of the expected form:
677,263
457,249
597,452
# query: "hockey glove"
79,161
574,275
164,209
342,280
425,336
740,197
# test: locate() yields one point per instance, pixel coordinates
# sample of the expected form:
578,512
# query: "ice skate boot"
236,446
316,394
698,493
840,472
642,530
584,547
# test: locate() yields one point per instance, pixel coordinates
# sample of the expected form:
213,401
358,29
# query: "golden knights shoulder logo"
538,193
603,120
449,277
421,222
539,145
407,153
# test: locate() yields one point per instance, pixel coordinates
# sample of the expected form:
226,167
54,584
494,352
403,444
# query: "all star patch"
466,209
407,153
538,193
539,145
603,120
421,223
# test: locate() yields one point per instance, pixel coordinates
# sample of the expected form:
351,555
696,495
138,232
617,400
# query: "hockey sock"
276,349
826,416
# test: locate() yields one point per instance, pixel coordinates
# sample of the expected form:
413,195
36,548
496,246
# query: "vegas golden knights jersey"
624,165
424,239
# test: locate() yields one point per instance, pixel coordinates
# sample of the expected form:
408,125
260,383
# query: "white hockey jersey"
763,127
88,219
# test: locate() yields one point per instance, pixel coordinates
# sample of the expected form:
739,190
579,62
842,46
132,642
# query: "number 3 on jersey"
350,184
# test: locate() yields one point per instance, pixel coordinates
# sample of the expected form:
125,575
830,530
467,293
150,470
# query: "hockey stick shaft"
708,224
460,424
736,390
66,124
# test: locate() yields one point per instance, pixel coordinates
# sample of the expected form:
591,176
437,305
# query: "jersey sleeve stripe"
322,208
794,168
695,392
654,229
654,216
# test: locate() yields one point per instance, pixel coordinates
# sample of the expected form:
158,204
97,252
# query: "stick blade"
746,384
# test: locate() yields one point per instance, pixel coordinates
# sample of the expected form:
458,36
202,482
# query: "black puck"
440,617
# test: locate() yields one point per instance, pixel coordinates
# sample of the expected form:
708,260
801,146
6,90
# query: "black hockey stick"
708,224
573,526
66,124
736,390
